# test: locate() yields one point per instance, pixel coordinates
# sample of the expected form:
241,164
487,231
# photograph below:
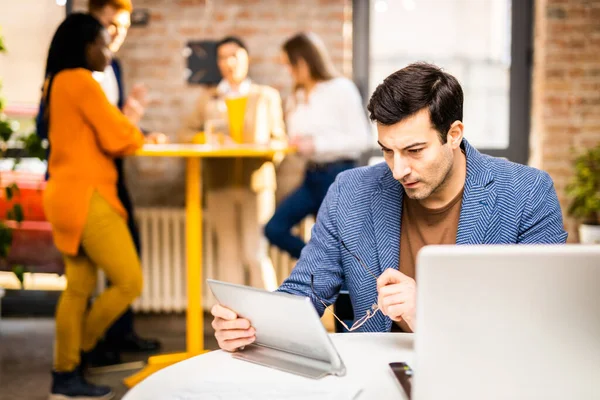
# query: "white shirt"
224,88
334,116
108,81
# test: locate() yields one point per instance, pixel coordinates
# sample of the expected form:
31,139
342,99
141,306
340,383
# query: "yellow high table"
193,153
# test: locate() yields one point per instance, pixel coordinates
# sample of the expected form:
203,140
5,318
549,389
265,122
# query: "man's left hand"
156,138
139,93
397,296
135,104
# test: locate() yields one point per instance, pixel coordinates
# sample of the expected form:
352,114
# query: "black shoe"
72,385
135,344
100,356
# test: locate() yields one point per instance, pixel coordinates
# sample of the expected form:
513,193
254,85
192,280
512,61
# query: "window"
484,43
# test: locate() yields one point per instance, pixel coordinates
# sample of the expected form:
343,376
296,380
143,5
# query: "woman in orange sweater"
89,223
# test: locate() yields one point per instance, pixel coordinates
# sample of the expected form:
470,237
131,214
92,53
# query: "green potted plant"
584,191
9,193
7,128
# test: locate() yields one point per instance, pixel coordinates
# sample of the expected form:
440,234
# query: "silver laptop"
508,322
289,332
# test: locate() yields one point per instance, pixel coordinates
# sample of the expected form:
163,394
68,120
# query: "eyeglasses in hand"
370,313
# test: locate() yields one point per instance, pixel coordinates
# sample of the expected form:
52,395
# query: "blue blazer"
503,203
121,187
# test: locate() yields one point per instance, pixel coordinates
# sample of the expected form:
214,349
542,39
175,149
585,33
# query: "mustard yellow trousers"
105,244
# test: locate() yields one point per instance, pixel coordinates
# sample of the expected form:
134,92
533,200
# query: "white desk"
366,356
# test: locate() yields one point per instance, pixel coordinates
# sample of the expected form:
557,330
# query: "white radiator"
162,235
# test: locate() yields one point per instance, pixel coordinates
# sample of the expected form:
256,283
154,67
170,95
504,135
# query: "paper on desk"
264,391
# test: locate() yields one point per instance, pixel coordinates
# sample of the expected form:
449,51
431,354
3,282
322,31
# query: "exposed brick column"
566,89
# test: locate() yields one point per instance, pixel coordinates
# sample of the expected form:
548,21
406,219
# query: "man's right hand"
231,331
135,104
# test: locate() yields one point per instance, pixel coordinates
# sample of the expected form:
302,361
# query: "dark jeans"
305,201
124,325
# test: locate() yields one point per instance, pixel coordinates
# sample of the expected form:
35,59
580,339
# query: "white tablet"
289,332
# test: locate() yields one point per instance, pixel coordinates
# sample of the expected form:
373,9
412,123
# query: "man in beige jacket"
240,193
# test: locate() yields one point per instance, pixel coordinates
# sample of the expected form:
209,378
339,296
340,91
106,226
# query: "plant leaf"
34,146
584,187
5,240
19,272
17,213
15,189
11,191
6,130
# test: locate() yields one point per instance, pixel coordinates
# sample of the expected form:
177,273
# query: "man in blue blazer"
434,188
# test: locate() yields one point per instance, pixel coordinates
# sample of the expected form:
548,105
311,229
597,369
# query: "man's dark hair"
231,39
413,88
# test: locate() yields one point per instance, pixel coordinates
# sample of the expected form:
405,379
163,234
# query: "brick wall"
566,88
152,54
566,74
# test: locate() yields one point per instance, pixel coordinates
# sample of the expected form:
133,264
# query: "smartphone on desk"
403,374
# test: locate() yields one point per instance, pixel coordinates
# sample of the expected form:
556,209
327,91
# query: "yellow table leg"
193,215
194,320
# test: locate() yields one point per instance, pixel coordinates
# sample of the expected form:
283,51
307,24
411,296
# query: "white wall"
27,27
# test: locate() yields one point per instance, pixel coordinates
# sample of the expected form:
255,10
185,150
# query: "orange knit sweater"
86,133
